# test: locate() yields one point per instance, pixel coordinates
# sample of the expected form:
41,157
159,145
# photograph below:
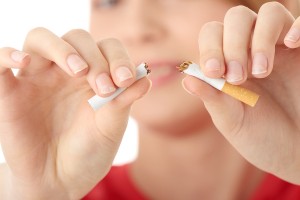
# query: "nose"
144,23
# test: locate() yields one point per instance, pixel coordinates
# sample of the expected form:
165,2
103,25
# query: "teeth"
160,72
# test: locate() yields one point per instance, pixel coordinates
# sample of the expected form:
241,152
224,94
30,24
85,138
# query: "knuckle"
3,52
119,60
110,41
5,49
35,31
236,48
208,53
119,54
212,25
234,55
237,11
64,49
274,7
209,28
76,33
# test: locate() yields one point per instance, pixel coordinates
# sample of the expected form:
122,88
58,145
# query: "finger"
121,68
43,43
218,104
272,24
9,58
12,58
292,38
103,138
98,75
211,49
238,23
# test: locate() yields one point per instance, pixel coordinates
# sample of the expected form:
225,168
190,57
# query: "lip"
163,72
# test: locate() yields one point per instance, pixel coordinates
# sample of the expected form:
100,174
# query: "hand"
55,145
255,50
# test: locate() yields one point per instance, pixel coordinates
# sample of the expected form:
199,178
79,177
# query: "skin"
47,148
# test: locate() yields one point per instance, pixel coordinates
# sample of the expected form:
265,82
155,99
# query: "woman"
57,147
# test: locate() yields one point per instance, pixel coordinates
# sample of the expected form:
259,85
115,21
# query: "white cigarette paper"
97,102
248,97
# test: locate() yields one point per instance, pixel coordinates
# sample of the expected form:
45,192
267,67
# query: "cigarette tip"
183,66
147,68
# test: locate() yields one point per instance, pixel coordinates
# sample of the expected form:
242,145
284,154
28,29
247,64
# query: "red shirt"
118,186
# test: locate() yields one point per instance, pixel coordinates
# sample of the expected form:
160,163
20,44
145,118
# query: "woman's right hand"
55,145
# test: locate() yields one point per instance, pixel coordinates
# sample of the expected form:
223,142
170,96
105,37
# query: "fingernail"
293,35
104,84
186,89
260,64
18,56
123,74
234,72
76,63
212,65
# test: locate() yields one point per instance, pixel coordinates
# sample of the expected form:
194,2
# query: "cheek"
189,23
100,27
186,30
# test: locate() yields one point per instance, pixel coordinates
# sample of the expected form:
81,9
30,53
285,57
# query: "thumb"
226,112
88,150
112,118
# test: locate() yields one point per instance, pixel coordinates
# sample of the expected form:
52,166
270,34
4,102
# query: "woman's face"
162,33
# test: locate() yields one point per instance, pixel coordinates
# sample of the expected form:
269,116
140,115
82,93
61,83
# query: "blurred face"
162,33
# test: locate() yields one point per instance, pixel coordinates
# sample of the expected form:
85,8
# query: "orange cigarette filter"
242,94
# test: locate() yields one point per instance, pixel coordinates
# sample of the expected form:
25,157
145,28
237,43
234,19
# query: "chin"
170,110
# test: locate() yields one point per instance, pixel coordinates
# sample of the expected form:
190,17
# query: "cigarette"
96,102
244,95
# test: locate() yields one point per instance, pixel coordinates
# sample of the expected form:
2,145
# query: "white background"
17,17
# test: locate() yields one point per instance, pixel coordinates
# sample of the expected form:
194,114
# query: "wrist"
4,181
11,188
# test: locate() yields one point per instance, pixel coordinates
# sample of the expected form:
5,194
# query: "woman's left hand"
259,51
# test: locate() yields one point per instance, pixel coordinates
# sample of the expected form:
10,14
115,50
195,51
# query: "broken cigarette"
97,102
248,97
